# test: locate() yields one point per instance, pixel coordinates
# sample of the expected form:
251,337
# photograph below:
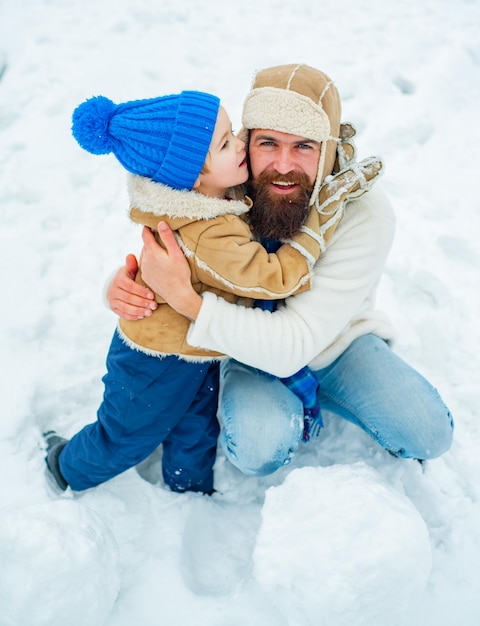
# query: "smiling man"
285,169
293,140
292,121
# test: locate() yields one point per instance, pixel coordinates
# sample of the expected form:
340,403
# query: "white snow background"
346,534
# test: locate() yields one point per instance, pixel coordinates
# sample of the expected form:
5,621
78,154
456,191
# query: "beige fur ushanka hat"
299,100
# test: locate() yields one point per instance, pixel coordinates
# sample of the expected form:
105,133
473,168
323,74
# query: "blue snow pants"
149,401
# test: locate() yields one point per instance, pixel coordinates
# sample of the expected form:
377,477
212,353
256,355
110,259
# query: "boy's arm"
225,256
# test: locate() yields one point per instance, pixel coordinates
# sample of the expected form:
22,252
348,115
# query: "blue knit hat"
165,139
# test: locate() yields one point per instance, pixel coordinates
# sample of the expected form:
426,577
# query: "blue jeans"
368,385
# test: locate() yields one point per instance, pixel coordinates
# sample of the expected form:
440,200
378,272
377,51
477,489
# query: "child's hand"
350,183
339,189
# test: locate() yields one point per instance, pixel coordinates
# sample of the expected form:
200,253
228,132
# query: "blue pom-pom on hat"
165,139
90,123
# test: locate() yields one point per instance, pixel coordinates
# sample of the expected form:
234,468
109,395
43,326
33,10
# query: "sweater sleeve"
226,257
343,291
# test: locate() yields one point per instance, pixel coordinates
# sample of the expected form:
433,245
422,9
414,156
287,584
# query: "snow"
301,549
346,533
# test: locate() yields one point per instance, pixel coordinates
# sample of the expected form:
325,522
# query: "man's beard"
279,216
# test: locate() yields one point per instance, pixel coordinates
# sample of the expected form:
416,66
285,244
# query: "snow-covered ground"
346,534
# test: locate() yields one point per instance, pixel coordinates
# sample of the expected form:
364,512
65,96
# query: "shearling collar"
148,196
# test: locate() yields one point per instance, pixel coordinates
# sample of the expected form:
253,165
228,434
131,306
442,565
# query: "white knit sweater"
316,326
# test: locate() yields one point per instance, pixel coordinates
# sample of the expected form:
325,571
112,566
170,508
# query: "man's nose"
283,161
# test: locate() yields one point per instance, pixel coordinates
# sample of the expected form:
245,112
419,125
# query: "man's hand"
167,272
127,298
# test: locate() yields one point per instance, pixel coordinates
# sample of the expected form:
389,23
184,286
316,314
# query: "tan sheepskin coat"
223,256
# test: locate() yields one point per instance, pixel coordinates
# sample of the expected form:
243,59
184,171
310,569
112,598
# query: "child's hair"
206,165
166,139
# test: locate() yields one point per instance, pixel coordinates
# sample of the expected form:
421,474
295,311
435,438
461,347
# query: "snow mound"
217,546
325,553
59,566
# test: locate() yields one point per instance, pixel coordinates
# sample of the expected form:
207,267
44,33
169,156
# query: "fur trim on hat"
286,112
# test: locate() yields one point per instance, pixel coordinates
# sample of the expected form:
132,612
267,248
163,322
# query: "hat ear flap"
346,149
244,135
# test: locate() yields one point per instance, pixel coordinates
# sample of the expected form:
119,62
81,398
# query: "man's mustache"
272,176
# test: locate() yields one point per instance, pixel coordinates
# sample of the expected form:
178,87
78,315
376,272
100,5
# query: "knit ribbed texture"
190,140
165,139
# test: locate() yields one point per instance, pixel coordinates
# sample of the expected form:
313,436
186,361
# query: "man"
334,328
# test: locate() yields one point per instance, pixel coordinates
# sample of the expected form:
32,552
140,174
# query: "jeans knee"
430,441
258,467
442,438
253,460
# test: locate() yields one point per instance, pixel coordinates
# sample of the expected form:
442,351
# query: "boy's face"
226,164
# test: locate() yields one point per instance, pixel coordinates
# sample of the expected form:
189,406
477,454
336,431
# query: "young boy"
183,161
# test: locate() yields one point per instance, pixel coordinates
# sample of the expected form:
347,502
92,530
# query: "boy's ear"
197,183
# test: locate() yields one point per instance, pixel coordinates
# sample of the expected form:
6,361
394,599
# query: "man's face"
283,170
271,150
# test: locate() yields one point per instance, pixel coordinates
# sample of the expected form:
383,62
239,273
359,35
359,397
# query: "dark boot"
55,445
